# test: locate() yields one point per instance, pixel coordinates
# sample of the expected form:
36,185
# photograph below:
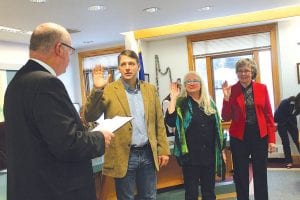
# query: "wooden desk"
170,175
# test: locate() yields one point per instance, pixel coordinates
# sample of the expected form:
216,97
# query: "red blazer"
235,110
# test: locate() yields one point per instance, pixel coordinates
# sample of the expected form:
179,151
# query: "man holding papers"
48,150
140,146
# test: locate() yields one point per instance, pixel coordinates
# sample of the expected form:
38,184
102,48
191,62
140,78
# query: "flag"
141,72
132,44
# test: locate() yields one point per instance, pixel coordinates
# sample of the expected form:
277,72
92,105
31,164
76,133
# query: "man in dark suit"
286,118
49,153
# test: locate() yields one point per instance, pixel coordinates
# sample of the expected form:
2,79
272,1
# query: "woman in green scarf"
198,137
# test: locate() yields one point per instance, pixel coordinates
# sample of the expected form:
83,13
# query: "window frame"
92,53
271,28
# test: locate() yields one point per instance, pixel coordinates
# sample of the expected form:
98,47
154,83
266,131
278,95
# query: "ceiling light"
205,8
38,1
151,9
97,8
14,30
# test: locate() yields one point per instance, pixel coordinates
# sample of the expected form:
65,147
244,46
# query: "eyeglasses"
190,82
244,71
71,48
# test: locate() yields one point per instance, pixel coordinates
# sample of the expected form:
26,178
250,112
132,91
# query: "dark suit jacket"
49,153
235,110
284,113
2,147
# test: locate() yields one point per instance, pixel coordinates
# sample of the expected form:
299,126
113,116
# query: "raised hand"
226,90
174,93
174,90
98,77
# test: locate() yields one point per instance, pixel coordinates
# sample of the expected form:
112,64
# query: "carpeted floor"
279,163
283,184
224,190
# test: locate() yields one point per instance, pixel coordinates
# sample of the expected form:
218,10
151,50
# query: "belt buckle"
134,147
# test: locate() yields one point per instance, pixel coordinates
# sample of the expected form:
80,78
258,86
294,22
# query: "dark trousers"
192,175
283,130
241,150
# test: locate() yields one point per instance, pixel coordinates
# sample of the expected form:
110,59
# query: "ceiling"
104,27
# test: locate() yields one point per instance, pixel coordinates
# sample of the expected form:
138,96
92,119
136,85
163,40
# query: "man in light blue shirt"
140,147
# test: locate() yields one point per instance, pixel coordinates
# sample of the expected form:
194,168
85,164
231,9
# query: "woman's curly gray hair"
247,62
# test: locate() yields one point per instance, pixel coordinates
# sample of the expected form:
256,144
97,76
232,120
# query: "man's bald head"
46,35
51,44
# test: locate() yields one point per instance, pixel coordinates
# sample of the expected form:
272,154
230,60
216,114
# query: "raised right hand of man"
98,77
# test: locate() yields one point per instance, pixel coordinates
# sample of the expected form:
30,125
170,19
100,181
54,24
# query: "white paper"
112,124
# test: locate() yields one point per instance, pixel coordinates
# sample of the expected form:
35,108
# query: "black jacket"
49,153
286,113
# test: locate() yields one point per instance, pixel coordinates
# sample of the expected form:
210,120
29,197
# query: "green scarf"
184,117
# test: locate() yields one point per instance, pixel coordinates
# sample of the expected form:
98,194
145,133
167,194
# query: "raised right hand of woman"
226,90
174,91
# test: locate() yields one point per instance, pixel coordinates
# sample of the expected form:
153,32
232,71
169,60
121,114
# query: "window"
224,69
88,60
213,56
109,61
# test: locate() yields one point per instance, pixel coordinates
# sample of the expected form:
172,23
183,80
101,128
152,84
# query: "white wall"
289,55
71,80
172,53
14,55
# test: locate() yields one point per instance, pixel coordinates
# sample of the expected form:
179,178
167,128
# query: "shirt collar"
129,90
47,67
246,88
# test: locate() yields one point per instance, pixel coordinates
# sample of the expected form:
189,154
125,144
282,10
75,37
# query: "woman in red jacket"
252,132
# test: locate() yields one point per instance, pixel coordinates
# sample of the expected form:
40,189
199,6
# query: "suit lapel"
256,91
145,96
121,95
240,98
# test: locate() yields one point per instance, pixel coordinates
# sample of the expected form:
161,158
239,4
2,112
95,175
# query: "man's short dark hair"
130,54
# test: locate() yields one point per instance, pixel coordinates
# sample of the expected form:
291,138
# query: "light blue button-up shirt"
136,105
